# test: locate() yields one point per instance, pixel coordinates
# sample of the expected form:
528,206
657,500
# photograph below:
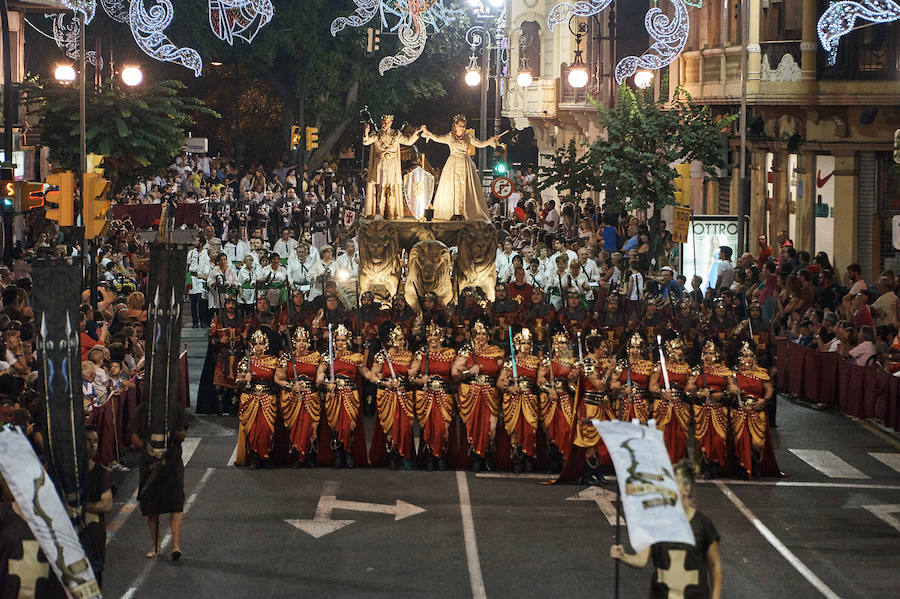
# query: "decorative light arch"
839,19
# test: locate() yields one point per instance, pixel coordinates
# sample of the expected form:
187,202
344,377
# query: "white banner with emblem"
45,514
649,492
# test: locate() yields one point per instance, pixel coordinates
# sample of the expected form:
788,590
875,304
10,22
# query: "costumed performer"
394,399
384,193
518,379
258,403
431,368
300,402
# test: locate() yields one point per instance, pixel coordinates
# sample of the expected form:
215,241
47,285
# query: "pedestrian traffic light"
682,185
312,138
95,205
500,160
33,195
295,138
373,40
8,190
60,198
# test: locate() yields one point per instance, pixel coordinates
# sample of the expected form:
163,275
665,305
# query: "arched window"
532,36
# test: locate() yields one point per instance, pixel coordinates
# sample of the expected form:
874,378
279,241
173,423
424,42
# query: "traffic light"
60,199
500,160
373,40
8,191
312,138
34,194
683,184
95,205
295,138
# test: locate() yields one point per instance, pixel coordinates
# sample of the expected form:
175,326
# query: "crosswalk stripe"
891,460
828,463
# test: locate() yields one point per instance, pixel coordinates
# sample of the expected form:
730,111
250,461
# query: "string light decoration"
670,33
117,10
413,17
148,29
66,38
85,7
242,19
839,19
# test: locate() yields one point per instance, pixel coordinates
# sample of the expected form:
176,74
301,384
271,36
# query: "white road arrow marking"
888,513
322,524
604,499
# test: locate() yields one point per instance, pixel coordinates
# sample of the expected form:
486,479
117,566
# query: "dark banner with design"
165,294
57,296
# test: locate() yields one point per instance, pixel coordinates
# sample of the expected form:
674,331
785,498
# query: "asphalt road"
831,528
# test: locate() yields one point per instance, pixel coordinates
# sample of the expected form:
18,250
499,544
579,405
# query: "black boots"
554,460
592,474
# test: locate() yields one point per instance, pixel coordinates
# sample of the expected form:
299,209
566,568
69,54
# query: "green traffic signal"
500,168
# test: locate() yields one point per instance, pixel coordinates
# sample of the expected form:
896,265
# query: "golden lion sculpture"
475,261
379,257
429,270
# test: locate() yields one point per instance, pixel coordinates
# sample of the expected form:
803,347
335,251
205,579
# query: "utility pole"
8,167
743,197
301,156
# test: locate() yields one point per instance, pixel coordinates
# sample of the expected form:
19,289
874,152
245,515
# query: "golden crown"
301,334
636,340
746,351
396,335
710,347
434,328
259,338
524,336
341,331
479,328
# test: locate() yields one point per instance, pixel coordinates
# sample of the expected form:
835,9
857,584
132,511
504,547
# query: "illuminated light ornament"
117,10
413,17
85,7
242,19
564,11
670,34
839,19
66,37
148,28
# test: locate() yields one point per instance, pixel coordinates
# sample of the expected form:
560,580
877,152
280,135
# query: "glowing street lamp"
578,73
643,79
132,76
65,73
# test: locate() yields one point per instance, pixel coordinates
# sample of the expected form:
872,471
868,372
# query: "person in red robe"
518,379
557,377
300,402
631,378
342,402
710,386
672,412
749,424
432,368
258,407
476,367
394,399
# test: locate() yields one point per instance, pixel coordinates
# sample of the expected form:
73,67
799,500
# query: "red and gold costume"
478,395
636,405
342,405
673,414
599,408
396,407
711,417
258,404
520,408
558,414
750,425
301,409
434,403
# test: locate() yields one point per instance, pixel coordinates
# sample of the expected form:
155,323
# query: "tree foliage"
139,130
645,137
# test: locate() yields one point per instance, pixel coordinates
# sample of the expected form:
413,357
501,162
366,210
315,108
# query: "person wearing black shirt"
99,503
683,571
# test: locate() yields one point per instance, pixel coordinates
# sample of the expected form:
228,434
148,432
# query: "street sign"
196,145
322,524
502,188
682,224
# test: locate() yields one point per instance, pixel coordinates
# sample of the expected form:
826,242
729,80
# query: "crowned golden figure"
384,191
459,190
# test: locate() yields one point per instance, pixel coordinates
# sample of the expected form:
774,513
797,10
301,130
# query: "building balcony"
538,100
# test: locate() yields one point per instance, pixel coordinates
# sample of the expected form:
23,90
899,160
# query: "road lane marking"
604,498
768,535
513,475
233,457
891,460
828,463
886,512
188,447
468,522
142,577
791,483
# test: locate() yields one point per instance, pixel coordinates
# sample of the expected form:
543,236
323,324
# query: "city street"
830,528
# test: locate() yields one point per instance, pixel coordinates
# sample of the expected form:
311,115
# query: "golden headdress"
341,331
396,335
459,117
746,351
710,347
479,328
636,341
301,334
260,338
673,344
434,328
560,338
524,336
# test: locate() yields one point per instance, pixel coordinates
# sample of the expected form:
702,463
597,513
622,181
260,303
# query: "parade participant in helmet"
226,343
470,311
710,408
371,317
402,315
573,317
476,368
431,368
653,321
720,324
537,314
756,329
298,312
338,378
631,378
300,402
684,323
518,380
331,314
557,378
594,403
258,407
394,399
749,422
612,320
505,312
672,412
